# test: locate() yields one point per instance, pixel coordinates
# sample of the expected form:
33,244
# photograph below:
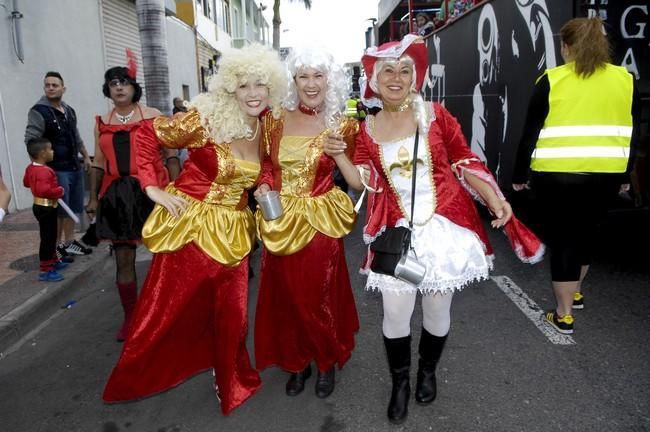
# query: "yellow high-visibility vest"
351,108
589,123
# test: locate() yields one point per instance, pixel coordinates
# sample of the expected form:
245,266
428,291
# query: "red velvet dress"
305,309
191,314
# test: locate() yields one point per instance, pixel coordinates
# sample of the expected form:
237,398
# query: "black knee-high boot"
399,362
430,350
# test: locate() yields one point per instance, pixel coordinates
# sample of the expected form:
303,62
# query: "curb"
19,322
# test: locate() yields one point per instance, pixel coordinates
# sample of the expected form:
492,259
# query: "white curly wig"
218,108
424,114
339,81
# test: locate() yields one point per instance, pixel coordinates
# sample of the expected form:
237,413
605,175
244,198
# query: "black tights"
572,207
124,262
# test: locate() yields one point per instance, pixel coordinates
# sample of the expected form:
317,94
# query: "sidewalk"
24,301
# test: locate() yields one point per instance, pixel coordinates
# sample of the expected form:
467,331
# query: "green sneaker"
562,324
578,301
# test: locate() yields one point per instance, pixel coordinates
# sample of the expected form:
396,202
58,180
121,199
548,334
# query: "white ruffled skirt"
454,257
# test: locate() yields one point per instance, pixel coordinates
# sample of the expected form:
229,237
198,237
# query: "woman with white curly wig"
305,309
192,312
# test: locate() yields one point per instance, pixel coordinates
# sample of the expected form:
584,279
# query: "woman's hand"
261,190
501,210
333,145
520,186
91,207
175,205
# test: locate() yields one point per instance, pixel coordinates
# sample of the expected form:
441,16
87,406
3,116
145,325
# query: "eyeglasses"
122,82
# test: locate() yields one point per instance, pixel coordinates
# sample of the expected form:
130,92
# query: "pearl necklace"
257,128
124,118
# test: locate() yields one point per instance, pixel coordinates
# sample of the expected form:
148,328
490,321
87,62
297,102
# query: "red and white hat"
411,45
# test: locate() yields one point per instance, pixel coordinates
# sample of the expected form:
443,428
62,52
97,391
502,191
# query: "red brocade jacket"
453,196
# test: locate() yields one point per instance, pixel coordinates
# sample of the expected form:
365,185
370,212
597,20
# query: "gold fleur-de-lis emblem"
404,163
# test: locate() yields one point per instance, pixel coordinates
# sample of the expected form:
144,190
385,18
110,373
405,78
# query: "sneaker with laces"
76,248
562,324
578,301
50,276
62,255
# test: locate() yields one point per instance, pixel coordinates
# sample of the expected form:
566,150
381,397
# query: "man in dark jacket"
55,120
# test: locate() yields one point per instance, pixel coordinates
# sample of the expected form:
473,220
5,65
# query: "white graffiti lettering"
639,25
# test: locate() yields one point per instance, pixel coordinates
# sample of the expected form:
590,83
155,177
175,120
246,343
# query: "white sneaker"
75,248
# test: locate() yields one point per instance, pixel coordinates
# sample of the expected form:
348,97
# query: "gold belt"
45,202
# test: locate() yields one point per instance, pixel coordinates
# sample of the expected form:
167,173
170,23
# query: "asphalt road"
500,372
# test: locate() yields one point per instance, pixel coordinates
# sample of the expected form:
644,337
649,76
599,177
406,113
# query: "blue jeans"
73,187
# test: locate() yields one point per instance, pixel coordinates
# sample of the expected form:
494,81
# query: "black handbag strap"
415,169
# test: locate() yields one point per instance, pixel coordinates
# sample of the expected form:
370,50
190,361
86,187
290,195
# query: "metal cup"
410,270
270,205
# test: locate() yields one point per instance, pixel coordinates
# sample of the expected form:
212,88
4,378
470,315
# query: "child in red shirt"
41,179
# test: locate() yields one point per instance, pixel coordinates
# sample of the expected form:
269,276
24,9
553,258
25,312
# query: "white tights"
398,308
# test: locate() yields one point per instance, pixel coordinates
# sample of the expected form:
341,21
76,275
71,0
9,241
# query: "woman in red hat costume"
305,310
448,236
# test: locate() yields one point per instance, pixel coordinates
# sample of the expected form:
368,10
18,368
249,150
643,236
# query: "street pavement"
501,370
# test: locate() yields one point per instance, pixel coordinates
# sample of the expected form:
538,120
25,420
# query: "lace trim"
381,283
367,238
539,255
487,178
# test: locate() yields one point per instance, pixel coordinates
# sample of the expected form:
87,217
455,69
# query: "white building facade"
81,39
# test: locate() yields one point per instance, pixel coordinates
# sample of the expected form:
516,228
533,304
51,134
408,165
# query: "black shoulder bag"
395,242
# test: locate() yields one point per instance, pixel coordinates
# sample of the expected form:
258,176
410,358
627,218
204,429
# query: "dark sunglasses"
122,82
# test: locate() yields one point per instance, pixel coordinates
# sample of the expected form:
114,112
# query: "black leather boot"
430,350
296,383
325,383
399,363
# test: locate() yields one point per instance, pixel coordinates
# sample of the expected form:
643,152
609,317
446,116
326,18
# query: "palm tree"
277,21
153,41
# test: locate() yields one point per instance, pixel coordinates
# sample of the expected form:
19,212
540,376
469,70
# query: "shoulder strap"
415,166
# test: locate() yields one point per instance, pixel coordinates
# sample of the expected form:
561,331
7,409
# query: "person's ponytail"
587,43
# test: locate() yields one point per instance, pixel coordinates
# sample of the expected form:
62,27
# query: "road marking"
531,310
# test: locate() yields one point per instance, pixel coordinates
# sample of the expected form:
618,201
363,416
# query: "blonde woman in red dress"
191,315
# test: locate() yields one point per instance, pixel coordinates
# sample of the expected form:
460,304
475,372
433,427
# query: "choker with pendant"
124,118
308,110
398,108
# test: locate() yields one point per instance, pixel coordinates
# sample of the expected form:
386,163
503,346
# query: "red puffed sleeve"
462,159
267,142
151,171
361,153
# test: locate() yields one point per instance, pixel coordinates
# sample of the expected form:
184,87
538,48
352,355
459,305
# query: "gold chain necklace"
398,108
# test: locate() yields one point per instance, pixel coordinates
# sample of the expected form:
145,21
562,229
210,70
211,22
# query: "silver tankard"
270,205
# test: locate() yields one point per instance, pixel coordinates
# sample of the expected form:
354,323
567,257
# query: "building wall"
121,32
181,55
57,35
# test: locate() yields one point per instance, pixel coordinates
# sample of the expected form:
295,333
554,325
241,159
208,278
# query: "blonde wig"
339,82
218,108
424,114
